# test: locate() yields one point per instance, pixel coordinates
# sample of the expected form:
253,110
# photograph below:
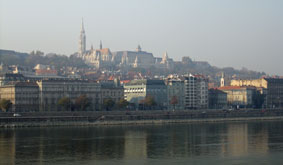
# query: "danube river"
198,143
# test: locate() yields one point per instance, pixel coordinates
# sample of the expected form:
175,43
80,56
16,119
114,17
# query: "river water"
198,143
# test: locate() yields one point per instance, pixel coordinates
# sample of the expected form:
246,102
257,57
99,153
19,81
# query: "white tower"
222,81
164,58
136,64
82,41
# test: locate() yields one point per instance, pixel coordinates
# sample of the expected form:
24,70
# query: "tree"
174,101
108,103
123,103
82,103
65,103
5,105
149,101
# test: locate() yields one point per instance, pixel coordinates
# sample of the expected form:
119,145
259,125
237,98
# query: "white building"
196,92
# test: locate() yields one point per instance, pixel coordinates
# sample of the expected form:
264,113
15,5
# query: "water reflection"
140,143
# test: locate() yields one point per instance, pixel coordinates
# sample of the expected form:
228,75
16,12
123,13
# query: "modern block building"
196,92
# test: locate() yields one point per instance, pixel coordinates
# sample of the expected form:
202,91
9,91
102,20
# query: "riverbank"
135,122
49,119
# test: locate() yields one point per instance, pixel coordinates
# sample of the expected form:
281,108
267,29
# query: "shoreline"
136,122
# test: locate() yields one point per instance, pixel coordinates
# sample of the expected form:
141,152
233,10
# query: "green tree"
82,103
65,103
174,101
149,101
5,105
123,103
108,104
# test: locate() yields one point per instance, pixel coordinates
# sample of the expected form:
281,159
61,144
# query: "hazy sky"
237,33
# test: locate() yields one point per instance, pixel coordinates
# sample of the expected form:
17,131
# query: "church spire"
100,45
91,48
138,48
82,41
164,58
222,80
82,28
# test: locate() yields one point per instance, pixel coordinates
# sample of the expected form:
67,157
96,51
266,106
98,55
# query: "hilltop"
10,57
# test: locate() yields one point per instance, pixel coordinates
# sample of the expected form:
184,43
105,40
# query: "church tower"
82,41
164,58
222,81
100,45
138,48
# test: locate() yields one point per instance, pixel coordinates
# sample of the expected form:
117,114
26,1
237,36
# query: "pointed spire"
138,48
222,80
164,58
82,41
100,45
82,28
91,48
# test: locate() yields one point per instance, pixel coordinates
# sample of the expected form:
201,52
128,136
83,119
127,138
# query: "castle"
104,58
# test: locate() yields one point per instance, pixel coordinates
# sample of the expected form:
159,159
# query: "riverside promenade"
28,119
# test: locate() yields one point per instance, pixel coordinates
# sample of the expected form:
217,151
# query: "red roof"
124,81
104,51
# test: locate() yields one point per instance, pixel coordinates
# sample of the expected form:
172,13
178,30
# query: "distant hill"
10,57
36,57
181,67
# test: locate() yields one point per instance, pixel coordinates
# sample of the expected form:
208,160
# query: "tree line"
83,103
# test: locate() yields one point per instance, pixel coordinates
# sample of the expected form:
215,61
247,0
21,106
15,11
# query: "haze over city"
225,33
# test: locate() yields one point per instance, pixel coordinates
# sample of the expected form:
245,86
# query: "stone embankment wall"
133,117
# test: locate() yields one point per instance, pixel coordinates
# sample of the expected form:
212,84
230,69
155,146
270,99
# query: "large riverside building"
24,96
44,95
137,90
51,91
196,92
240,96
272,88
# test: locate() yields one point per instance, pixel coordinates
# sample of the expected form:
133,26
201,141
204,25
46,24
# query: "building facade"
136,90
270,88
24,96
51,91
112,90
240,96
196,92
217,99
175,88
